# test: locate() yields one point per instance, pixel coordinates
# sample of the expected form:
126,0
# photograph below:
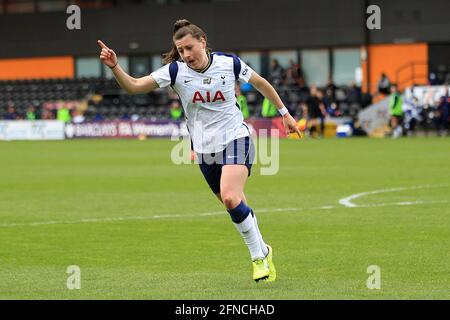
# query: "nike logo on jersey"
186,81
206,97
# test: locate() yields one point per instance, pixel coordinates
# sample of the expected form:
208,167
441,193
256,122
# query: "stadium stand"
116,104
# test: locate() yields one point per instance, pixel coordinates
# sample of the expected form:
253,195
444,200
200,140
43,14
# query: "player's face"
192,51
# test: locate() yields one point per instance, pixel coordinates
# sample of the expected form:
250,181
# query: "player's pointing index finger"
299,133
101,44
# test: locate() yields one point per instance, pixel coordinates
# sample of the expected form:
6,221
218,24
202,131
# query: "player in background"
205,83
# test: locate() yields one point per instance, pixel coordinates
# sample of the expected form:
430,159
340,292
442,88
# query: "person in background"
396,112
276,73
11,114
176,110
443,115
47,114
242,101
302,90
269,110
296,70
330,90
314,110
63,114
412,116
384,84
78,116
31,113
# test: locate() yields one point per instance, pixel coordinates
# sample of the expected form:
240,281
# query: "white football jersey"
213,116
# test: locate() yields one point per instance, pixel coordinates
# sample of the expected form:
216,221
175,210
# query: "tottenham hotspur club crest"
223,79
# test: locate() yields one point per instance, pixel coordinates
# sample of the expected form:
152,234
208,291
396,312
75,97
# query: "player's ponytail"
182,28
180,24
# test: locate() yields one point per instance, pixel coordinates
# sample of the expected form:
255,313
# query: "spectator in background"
125,117
242,101
63,114
331,106
432,78
269,110
99,117
31,113
176,110
293,73
396,112
296,70
411,112
284,89
330,90
11,114
443,115
78,116
314,111
366,99
47,114
302,90
354,93
384,84
276,73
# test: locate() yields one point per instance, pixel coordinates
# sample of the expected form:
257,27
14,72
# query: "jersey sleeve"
246,72
162,76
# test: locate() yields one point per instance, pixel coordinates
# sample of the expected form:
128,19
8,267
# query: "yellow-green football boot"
260,269
272,270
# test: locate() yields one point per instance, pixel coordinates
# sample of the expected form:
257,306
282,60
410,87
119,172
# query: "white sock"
250,234
262,244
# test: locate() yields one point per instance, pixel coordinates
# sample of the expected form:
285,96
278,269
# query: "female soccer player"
205,83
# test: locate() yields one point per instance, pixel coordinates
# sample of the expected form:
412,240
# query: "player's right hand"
107,55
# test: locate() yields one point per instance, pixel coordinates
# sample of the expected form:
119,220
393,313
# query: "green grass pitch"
140,227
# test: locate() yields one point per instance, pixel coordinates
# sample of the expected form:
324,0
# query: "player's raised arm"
266,89
127,82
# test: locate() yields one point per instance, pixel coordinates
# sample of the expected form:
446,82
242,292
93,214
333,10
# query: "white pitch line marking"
347,202
205,214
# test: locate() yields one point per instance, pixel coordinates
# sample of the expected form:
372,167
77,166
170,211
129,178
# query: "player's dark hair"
182,28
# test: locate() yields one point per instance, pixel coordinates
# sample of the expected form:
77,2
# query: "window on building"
139,66
123,61
88,67
346,65
93,4
51,5
157,61
253,59
284,57
316,66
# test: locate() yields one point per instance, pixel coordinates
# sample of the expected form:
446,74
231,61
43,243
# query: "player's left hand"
291,125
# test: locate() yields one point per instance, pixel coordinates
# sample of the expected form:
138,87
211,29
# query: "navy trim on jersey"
247,128
173,71
236,63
